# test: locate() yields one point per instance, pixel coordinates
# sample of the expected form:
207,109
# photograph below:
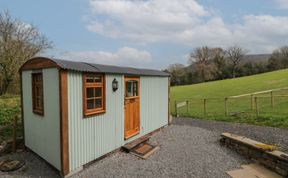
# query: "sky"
152,33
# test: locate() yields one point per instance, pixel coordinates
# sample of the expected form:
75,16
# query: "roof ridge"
85,66
91,65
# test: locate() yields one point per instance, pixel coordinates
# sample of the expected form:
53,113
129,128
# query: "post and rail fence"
254,102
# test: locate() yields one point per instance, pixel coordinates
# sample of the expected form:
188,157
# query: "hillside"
230,87
237,109
256,58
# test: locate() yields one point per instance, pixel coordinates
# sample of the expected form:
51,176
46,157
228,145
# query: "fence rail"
254,103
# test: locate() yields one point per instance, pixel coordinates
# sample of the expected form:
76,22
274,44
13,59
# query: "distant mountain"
257,58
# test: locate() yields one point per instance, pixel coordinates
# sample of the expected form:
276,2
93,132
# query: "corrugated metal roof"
77,66
89,67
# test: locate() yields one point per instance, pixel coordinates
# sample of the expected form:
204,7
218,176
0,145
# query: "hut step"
144,150
129,146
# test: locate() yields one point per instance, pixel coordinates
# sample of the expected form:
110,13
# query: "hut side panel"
92,137
153,103
42,133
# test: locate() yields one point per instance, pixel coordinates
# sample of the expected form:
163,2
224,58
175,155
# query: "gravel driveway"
185,151
188,148
269,135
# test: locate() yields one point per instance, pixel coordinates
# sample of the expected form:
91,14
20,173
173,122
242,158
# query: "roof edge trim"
39,63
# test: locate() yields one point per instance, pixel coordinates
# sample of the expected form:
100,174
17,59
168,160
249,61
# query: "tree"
235,55
177,74
202,57
248,69
218,57
18,42
279,59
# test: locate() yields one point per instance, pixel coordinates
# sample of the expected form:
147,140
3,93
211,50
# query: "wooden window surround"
37,93
131,88
93,94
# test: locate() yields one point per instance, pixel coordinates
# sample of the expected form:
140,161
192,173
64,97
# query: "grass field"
240,108
9,107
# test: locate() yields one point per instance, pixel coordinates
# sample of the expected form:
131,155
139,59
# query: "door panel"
132,107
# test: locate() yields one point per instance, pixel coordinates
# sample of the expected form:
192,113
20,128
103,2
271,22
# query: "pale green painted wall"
153,103
90,138
42,133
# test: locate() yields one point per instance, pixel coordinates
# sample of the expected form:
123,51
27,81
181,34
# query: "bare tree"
279,59
218,57
18,42
202,57
283,51
235,55
177,74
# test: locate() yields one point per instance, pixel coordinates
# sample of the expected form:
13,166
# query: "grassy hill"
239,109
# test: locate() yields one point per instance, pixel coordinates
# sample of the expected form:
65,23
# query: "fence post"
176,108
226,109
256,107
252,102
204,106
14,133
187,103
272,100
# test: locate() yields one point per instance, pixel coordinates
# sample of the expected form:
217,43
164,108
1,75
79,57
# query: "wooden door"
131,107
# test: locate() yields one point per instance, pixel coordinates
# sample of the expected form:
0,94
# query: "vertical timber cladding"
64,122
22,111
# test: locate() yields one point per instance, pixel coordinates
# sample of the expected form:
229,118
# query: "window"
131,88
37,93
94,94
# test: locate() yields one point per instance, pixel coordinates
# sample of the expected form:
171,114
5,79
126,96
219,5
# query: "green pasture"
238,109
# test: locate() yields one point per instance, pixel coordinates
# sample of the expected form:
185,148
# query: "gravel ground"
185,151
188,148
268,135
34,167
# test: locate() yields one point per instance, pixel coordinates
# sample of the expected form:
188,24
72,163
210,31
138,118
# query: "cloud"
124,56
144,21
264,32
184,22
283,4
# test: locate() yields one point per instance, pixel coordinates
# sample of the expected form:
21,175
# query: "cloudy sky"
152,33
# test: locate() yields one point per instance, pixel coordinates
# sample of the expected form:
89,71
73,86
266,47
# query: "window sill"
94,113
131,97
41,113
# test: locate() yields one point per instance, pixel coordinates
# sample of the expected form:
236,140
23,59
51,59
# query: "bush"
9,107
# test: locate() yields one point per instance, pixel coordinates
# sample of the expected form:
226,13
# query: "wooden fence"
254,102
10,134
